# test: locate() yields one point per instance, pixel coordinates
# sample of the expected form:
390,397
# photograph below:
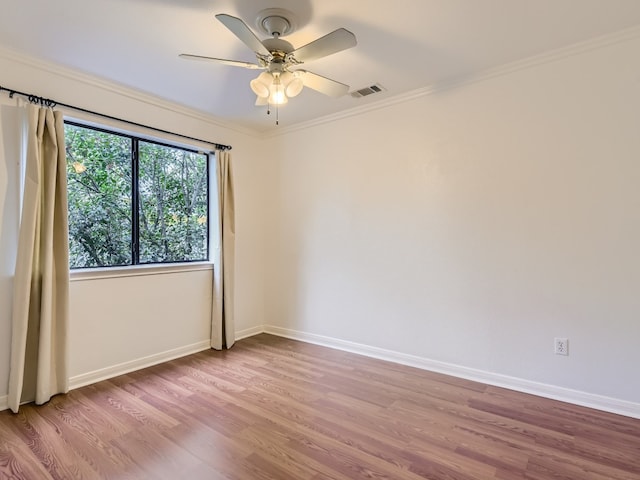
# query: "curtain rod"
46,102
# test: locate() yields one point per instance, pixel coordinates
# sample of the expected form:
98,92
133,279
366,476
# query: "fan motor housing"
278,45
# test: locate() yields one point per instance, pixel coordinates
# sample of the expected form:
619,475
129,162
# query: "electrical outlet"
561,346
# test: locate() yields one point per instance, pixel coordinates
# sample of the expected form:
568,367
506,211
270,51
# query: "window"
133,201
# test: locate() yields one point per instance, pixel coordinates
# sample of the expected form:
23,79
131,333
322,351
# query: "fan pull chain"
277,113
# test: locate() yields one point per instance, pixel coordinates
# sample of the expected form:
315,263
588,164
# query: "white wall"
119,323
473,225
125,321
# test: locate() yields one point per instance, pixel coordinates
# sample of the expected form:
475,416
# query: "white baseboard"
133,365
95,376
598,402
590,400
249,332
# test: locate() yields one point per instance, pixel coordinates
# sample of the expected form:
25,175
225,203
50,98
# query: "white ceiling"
402,44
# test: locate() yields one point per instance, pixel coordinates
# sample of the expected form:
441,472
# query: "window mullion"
135,202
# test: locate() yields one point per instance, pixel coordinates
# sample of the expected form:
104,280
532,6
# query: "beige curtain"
38,368
222,324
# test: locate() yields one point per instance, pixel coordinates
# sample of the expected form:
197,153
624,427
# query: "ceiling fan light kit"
277,87
269,88
281,79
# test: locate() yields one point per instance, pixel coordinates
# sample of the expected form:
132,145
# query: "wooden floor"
272,408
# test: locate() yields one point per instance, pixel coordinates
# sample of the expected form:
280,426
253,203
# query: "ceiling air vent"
363,92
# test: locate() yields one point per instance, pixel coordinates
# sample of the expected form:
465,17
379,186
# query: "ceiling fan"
282,77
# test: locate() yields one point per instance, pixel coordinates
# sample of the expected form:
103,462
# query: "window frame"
145,267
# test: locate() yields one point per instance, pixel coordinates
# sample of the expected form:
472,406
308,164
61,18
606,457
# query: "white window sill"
137,271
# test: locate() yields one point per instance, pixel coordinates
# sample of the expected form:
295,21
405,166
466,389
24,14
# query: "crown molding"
502,70
158,102
121,90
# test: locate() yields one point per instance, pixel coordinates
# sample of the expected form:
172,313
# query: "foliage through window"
133,201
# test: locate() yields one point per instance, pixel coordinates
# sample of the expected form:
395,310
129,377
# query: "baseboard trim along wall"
576,397
598,402
249,332
138,364
89,378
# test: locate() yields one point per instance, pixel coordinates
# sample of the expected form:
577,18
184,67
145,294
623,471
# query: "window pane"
173,185
99,191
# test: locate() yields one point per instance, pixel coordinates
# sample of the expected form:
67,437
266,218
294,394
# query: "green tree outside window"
132,201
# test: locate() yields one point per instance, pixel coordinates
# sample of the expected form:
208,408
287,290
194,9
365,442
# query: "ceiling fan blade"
333,42
233,63
323,84
244,33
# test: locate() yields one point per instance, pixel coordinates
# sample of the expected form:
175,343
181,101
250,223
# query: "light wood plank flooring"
272,408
